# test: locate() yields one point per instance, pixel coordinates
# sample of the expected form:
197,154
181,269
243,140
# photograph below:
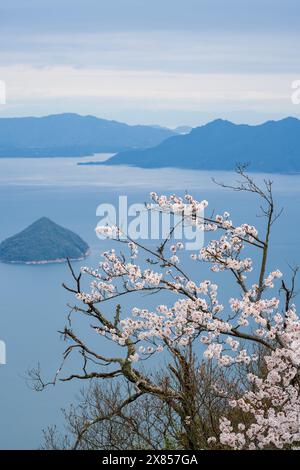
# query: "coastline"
54,261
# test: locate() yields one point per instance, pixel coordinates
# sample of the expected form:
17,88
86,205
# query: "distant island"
43,242
183,129
72,135
219,145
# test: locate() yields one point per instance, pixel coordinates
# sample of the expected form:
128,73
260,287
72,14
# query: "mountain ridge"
273,146
71,134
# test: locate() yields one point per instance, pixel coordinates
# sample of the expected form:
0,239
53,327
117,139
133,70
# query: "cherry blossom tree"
256,331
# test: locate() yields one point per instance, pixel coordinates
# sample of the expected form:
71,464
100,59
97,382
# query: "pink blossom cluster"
272,408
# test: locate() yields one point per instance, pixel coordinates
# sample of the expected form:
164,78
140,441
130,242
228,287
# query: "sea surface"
33,304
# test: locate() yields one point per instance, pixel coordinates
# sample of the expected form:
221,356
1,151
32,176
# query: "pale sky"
167,62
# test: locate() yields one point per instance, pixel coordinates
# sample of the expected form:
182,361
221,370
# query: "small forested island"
43,242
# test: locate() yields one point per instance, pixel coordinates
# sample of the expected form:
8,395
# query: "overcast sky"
165,62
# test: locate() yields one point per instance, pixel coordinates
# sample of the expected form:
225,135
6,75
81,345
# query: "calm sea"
32,302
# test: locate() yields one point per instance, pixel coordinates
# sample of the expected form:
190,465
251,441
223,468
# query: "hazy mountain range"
272,147
219,145
73,135
177,130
